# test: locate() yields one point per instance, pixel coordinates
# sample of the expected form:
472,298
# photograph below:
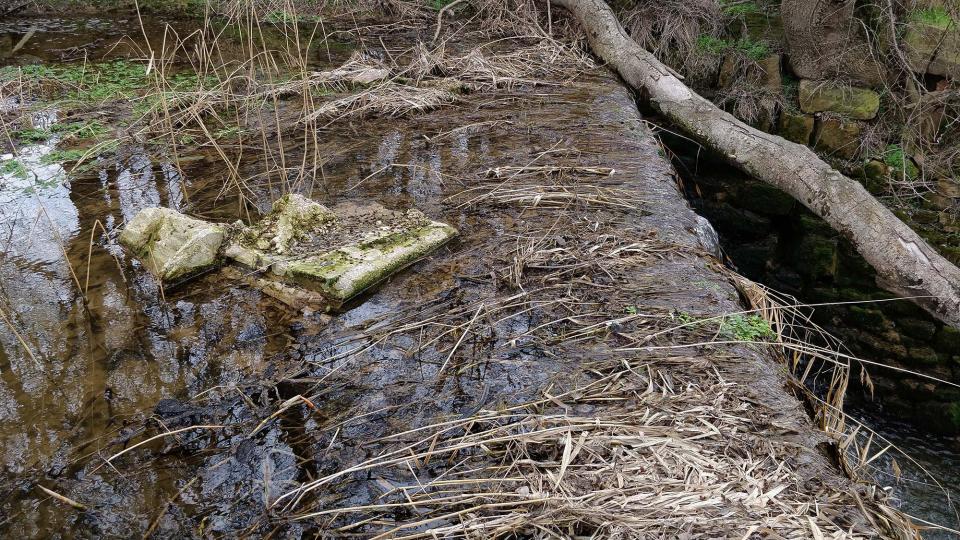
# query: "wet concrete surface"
114,361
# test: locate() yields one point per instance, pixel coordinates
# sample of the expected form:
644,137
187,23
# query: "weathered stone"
346,272
839,138
172,245
765,73
293,217
339,254
857,103
876,175
796,127
949,187
933,48
923,355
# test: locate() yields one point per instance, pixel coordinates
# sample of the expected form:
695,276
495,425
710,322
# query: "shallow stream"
98,348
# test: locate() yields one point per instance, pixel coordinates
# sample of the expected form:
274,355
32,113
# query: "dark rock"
816,256
917,328
765,200
947,339
866,317
923,355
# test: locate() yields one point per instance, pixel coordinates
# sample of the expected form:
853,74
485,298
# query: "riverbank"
576,362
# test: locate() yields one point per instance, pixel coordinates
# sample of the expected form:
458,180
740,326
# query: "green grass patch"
739,8
746,328
738,327
119,79
755,50
33,135
82,130
12,167
62,156
439,4
934,16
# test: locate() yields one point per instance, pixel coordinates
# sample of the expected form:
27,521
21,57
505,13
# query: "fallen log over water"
906,265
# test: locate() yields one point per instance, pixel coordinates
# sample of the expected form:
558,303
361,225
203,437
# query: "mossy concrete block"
338,253
856,103
933,49
796,127
344,273
293,217
172,245
838,138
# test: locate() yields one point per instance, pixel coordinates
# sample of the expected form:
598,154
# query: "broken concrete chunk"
172,245
293,217
345,272
337,254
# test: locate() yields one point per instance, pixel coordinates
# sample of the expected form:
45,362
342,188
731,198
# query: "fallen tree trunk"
906,265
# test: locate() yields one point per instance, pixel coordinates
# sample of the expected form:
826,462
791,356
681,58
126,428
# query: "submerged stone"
857,103
172,245
338,254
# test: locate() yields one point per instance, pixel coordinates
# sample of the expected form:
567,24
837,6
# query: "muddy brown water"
108,353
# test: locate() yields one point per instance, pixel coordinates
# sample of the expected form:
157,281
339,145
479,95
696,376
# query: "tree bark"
825,42
905,264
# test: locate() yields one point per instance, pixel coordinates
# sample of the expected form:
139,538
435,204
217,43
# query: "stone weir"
577,363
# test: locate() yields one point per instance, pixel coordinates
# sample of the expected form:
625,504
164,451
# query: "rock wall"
774,240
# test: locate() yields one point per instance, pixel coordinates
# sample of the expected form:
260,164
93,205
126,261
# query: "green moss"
86,82
896,159
62,156
12,167
32,135
953,414
755,50
934,16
